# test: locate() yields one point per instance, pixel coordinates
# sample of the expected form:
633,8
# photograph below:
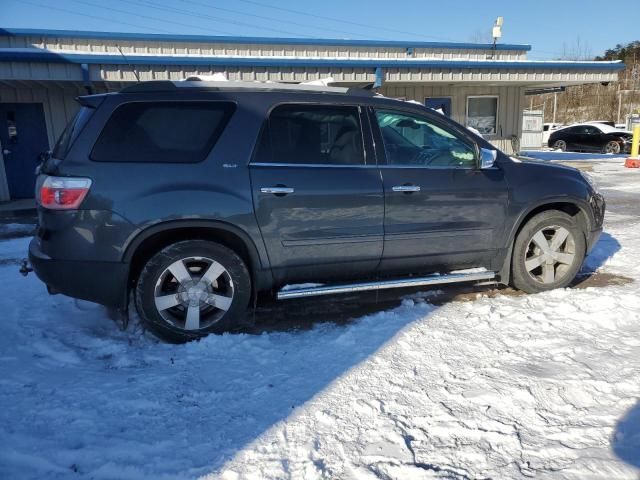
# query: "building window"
482,114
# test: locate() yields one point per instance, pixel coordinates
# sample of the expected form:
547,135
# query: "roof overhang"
48,56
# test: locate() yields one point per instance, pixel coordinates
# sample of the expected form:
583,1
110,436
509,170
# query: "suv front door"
318,194
442,211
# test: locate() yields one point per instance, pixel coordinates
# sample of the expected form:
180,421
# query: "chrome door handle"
277,190
406,188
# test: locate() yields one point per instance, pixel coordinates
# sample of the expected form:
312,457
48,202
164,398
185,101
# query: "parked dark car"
195,196
594,137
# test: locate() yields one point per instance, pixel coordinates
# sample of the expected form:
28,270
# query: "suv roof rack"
168,85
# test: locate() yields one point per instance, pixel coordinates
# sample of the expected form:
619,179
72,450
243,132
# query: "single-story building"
42,71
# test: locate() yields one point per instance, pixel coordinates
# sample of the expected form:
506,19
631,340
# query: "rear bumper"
99,282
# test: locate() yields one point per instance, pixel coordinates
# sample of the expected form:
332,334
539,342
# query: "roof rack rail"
150,86
168,85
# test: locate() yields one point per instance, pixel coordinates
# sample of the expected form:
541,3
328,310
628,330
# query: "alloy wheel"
550,254
560,145
612,147
193,293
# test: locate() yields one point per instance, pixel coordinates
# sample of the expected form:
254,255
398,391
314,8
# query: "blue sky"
553,28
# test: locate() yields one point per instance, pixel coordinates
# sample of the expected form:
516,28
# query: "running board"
404,283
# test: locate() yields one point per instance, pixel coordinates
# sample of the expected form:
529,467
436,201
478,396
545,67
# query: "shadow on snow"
626,439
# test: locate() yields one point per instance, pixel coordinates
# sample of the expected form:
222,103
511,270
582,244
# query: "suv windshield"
71,133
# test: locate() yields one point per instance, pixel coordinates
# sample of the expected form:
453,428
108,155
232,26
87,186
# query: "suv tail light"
63,193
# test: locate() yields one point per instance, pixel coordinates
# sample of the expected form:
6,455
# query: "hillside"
611,102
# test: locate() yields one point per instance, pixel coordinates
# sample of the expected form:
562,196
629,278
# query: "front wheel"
548,252
192,288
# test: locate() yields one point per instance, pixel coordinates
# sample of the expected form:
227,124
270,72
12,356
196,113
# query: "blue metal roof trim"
53,57
23,32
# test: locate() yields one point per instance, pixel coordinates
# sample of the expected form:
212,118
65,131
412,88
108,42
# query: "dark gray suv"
196,196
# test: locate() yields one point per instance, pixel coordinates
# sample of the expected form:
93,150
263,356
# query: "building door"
23,136
442,104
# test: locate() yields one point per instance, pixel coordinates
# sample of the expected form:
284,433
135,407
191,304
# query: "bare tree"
578,50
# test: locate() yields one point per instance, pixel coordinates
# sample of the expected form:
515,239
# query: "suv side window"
162,132
312,134
412,140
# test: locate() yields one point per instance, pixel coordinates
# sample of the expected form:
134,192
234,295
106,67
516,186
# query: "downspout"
86,80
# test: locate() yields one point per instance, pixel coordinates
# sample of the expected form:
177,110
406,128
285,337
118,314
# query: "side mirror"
487,158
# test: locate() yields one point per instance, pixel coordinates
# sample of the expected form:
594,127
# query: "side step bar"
404,283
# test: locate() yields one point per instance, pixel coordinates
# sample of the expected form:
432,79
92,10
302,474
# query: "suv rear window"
162,132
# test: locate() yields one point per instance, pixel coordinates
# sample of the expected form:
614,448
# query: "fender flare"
504,272
260,266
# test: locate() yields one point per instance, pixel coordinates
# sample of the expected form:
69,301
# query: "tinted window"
71,132
412,140
312,134
162,132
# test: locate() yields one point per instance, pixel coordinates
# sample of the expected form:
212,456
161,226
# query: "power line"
263,17
95,17
156,19
199,15
347,22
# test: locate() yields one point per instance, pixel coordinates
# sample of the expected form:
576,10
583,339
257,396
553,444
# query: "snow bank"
507,386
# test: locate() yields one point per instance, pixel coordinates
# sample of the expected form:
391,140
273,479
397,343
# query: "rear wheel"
560,145
612,147
548,252
191,289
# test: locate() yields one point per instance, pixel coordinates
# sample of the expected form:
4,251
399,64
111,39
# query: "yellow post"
636,141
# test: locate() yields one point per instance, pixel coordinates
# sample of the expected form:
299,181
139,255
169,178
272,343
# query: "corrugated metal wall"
243,49
510,105
118,73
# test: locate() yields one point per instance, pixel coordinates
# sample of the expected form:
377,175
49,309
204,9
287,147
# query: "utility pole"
555,106
618,119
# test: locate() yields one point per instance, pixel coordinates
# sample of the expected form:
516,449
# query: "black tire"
524,249
238,280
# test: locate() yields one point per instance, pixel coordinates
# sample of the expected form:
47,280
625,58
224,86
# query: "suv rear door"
442,211
317,193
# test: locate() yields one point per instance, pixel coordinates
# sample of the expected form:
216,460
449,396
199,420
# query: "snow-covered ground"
491,385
